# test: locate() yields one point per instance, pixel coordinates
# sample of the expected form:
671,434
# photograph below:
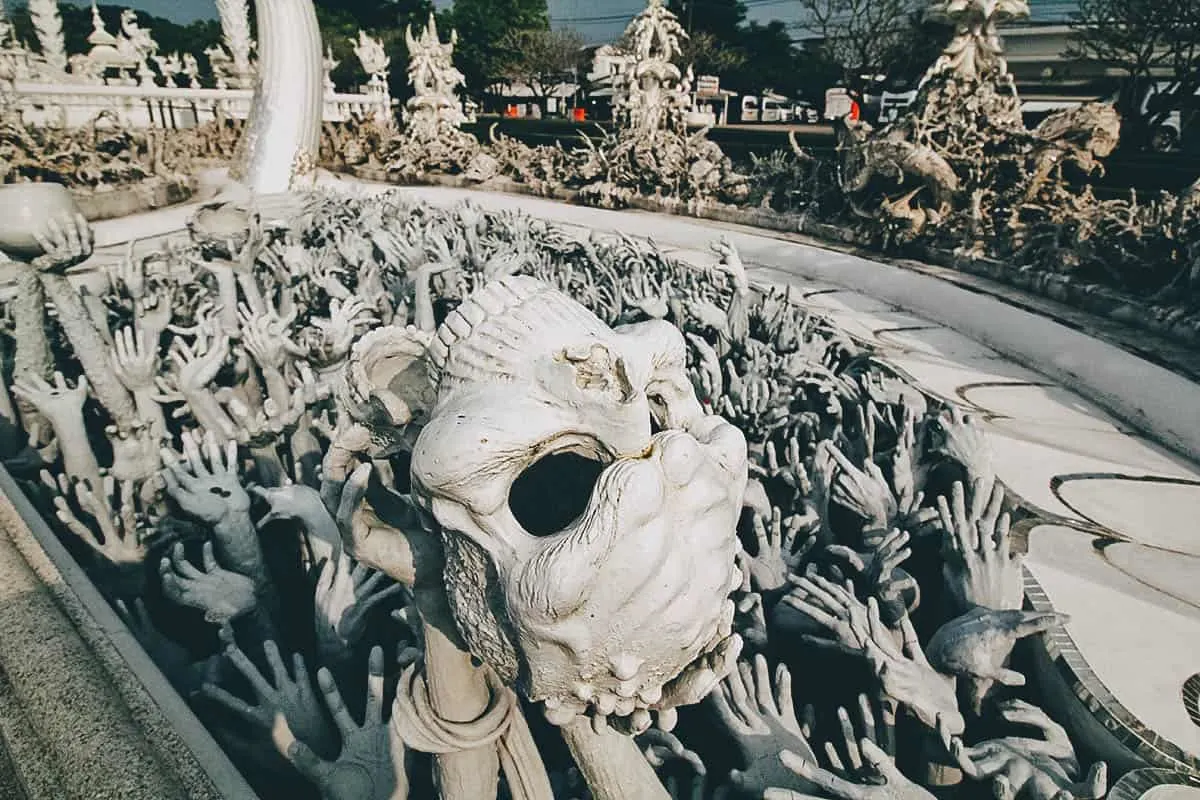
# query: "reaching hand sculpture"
119,546
346,593
210,489
62,406
289,696
980,568
222,595
888,783
1030,769
370,765
763,722
976,646
777,555
66,242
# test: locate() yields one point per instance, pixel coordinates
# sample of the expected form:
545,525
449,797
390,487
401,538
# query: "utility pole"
691,15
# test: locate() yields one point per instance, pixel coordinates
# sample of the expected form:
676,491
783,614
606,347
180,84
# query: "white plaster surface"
1135,617
1141,642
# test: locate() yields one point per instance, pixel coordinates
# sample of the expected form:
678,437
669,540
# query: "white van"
776,109
750,108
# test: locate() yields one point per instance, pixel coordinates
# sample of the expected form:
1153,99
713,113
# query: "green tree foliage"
863,37
773,62
1144,39
541,57
483,26
721,18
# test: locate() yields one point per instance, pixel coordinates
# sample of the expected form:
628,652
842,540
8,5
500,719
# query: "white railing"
73,105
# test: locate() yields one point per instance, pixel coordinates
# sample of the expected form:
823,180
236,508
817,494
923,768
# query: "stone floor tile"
939,342
1144,664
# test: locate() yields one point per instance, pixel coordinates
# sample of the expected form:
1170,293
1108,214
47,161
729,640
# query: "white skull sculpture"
607,609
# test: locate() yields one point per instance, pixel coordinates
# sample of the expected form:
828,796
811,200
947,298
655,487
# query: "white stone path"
1118,541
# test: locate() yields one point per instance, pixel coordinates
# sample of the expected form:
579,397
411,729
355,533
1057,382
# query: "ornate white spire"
100,34
48,24
235,29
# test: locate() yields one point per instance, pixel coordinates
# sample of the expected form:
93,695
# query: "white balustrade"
75,104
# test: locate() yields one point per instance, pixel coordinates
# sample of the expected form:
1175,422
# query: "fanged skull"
620,606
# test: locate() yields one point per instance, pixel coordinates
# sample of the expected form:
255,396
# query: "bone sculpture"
682,555
538,375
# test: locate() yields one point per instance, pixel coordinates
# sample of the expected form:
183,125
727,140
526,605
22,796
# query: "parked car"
891,104
1163,108
805,113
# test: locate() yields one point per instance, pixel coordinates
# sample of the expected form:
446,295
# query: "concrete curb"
137,720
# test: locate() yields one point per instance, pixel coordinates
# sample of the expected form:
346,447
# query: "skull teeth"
651,694
625,666
625,706
606,703
640,721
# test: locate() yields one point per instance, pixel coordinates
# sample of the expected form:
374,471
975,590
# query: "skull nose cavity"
681,459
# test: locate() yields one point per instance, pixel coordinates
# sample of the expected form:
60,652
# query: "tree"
860,36
721,18
542,57
772,64
482,26
709,55
1145,39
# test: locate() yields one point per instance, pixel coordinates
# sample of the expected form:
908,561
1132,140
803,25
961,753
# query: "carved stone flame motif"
589,558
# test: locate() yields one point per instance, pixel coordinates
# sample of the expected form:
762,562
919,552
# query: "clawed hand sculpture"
255,414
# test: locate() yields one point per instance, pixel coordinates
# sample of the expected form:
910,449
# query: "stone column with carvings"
279,147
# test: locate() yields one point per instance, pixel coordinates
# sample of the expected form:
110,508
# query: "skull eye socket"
553,492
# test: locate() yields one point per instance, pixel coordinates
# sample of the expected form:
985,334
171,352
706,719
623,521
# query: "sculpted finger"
374,712
301,756
850,738
821,778
235,704
333,700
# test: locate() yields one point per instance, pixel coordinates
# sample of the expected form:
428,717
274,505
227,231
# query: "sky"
597,20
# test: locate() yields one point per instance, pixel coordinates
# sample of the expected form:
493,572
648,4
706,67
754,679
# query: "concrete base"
84,713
